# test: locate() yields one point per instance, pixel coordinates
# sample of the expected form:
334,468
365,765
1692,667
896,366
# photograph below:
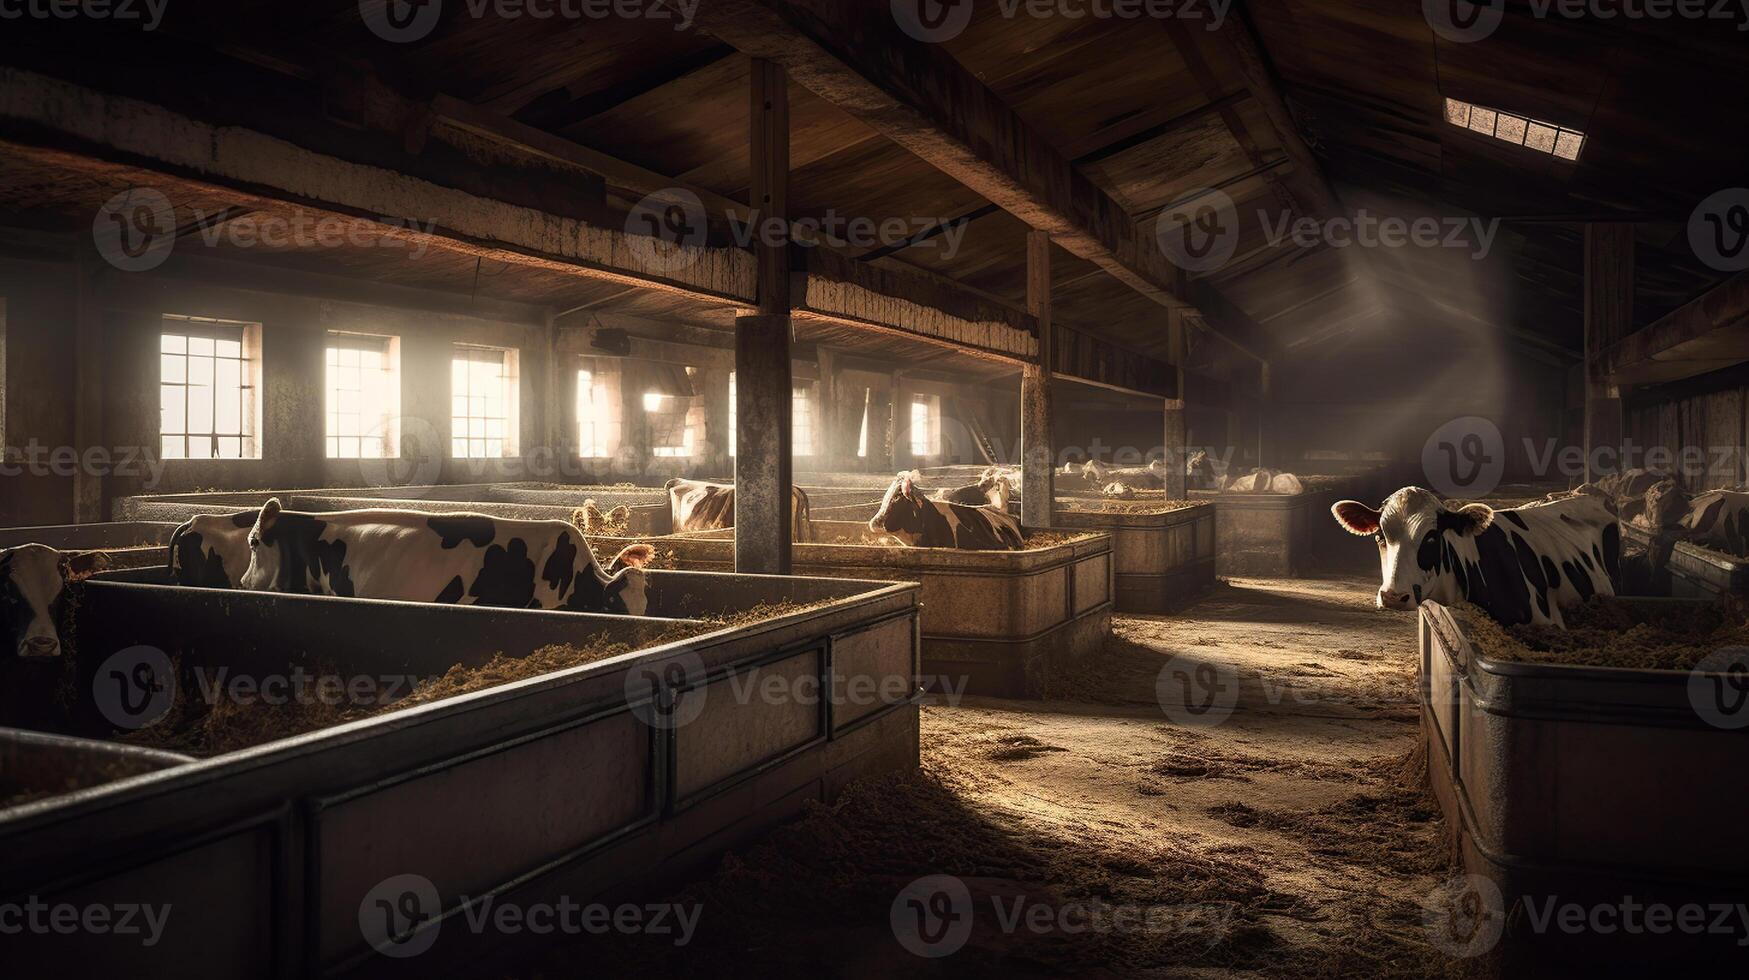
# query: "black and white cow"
698,505
994,489
1718,519
1149,477
919,522
463,559
212,550
32,580
1522,565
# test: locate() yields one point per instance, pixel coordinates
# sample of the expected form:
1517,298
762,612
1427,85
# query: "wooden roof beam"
1707,333
856,57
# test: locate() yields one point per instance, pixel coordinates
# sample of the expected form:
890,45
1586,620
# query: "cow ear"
620,513
1473,519
635,556
1356,517
269,515
83,563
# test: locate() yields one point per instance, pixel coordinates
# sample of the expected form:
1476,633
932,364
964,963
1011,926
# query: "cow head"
902,509
997,488
596,522
31,579
1412,529
264,554
211,550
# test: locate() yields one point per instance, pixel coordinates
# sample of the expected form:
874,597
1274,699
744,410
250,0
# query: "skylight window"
1517,130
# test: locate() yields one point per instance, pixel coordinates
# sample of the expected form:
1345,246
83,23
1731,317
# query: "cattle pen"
768,488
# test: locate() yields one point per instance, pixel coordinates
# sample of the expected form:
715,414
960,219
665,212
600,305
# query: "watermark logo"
667,228
401,21
419,462
1465,457
1200,231
34,916
134,687
1464,916
668,693
1463,21
150,12
1364,229
399,917
932,916
135,230
932,21
1718,230
1718,688
1197,693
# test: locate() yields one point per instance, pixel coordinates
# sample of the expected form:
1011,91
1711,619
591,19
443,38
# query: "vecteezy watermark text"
33,916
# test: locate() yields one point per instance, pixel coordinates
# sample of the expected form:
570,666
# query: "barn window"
364,396
926,425
209,374
597,411
801,419
674,411
862,436
483,402
1518,130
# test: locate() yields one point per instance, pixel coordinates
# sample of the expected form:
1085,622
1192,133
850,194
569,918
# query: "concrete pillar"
1609,311
1173,435
1037,456
88,347
763,438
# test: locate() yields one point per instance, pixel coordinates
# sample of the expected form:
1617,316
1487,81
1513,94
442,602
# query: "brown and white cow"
699,505
919,522
1522,565
995,488
1149,477
462,559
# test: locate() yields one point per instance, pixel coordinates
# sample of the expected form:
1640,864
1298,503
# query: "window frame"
511,397
388,424
186,330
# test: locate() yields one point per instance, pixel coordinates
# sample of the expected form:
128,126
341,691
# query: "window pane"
172,367
200,370
171,447
229,348
228,411
172,343
200,345
172,414
1567,145
230,447
200,409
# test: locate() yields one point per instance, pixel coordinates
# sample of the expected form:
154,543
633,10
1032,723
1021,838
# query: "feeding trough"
1272,535
609,777
127,544
993,622
1162,552
1585,783
1680,569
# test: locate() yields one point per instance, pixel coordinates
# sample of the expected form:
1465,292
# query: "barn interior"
1173,298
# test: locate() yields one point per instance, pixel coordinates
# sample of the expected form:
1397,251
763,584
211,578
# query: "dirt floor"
1126,834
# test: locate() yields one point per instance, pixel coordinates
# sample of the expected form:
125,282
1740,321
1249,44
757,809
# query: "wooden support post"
1609,311
1037,457
88,347
1265,440
763,438
1175,450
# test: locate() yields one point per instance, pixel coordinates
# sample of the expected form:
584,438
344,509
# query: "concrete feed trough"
1587,783
1687,571
993,621
604,780
1270,535
1160,557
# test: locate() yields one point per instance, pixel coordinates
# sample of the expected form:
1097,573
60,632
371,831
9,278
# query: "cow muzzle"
40,645
1389,599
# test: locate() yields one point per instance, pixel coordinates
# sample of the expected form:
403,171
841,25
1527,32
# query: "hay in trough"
1612,632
